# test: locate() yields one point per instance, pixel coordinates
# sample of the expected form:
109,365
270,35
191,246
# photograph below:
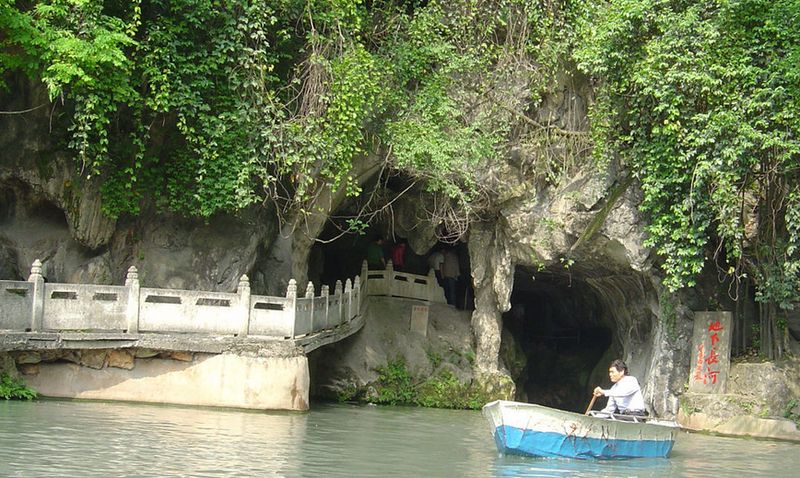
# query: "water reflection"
694,456
102,439
531,467
62,438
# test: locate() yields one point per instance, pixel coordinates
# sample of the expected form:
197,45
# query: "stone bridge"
184,347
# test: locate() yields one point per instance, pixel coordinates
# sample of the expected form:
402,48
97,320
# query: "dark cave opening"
560,326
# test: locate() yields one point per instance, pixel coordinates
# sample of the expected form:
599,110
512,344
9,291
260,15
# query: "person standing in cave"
435,261
625,396
399,255
450,274
375,258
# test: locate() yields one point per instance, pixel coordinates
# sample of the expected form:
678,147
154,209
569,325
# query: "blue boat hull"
534,430
517,441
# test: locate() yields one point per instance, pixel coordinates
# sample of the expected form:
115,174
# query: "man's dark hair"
619,365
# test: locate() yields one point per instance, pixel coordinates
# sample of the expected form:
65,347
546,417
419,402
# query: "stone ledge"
37,341
774,428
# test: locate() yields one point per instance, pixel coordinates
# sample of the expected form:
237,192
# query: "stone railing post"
132,312
311,311
348,292
324,293
433,285
37,310
389,277
364,274
357,292
337,292
291,294
244,305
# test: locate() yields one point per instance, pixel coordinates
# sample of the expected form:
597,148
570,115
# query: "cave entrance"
562,330
340,255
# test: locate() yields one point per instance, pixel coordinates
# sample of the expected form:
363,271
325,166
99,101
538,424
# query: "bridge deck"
261,346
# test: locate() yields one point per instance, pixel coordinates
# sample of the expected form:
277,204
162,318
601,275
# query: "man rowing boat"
625,396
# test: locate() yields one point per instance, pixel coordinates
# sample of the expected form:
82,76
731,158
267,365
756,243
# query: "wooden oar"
591,404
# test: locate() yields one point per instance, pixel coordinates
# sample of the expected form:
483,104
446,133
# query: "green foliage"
357,226
349,392
201,106
454,60
700,98
211,68
434,358
79,52
446,391
669,315
792,411
199,95
15,389
470,356
394,384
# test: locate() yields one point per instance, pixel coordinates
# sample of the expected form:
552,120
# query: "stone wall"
220,380
759,398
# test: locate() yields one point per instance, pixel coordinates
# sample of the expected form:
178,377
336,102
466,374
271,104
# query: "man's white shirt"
624,395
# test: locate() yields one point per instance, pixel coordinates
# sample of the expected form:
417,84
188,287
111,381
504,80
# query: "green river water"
53,438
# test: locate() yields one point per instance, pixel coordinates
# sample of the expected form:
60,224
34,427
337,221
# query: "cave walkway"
36,315
184,347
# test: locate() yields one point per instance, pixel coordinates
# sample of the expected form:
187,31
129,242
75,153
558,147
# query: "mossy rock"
496,386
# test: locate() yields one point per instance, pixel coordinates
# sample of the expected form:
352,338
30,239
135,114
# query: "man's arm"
611,406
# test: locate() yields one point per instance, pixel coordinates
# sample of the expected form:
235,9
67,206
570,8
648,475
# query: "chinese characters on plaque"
711,352
419,319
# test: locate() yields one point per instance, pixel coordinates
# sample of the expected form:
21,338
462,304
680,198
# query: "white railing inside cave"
392,283
38,306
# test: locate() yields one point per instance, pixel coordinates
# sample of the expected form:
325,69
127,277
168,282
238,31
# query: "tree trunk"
308,225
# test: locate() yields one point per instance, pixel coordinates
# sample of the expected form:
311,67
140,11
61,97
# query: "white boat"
536,430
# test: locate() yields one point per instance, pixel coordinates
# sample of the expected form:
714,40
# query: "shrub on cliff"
15,389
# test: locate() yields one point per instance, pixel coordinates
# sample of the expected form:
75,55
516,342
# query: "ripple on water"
52,438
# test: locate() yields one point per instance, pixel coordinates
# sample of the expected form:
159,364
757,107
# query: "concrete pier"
221,380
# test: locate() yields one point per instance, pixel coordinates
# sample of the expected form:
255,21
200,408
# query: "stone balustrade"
38,306
389,282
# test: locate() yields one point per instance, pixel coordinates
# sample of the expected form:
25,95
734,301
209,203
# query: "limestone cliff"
559,255
575,237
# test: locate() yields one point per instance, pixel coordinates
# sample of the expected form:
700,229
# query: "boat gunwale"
661,424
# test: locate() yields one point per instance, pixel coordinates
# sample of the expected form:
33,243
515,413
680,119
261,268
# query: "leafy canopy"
700,98
204,106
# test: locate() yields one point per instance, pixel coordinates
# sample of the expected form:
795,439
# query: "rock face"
575,243
562,252
350,368
585,247
569,255
51,211
169,252
759,399
36,179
